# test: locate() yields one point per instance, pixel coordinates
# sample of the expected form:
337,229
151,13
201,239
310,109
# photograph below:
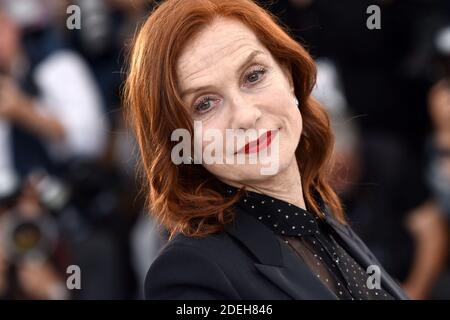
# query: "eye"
255,75
204,105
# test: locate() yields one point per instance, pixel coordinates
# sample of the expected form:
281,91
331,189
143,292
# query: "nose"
245,113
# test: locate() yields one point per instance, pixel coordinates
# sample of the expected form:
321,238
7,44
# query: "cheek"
211,126
291,131
287,113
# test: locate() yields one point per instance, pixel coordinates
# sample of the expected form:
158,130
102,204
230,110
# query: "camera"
31,234
29,237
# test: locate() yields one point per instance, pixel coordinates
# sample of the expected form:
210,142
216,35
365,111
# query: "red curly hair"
184,198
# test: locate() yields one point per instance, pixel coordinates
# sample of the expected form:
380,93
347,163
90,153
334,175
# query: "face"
230,83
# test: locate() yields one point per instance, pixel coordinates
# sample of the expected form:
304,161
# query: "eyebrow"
249,59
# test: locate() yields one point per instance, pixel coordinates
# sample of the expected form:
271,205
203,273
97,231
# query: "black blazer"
247,261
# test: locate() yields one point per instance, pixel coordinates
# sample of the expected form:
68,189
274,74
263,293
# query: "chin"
248,174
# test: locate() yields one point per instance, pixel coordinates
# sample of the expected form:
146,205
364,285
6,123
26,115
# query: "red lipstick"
259,144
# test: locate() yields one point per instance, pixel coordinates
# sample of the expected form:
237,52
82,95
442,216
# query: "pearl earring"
296,101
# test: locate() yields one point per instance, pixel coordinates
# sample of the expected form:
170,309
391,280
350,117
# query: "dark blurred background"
68,188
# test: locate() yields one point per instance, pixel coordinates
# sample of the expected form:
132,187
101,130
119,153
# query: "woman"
237,231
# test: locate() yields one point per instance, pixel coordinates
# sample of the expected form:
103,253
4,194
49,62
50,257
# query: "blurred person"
386,200
104,29
49,98
236,233
438,149
430,222
439,170
56,124
31,264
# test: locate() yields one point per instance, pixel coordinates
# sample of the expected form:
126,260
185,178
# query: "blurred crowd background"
69,194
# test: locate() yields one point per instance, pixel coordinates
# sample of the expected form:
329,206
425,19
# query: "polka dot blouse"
314,242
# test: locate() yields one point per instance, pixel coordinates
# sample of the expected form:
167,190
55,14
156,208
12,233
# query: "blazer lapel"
295,278
275,261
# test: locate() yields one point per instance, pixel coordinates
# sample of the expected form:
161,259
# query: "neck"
286,185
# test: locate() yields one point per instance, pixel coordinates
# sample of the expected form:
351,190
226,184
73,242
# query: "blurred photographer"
47,94
31,264
52,120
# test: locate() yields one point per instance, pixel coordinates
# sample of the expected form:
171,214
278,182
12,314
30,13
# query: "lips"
259,144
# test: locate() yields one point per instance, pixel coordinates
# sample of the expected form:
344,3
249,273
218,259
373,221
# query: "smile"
259,144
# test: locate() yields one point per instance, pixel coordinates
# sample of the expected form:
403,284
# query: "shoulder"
191,268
